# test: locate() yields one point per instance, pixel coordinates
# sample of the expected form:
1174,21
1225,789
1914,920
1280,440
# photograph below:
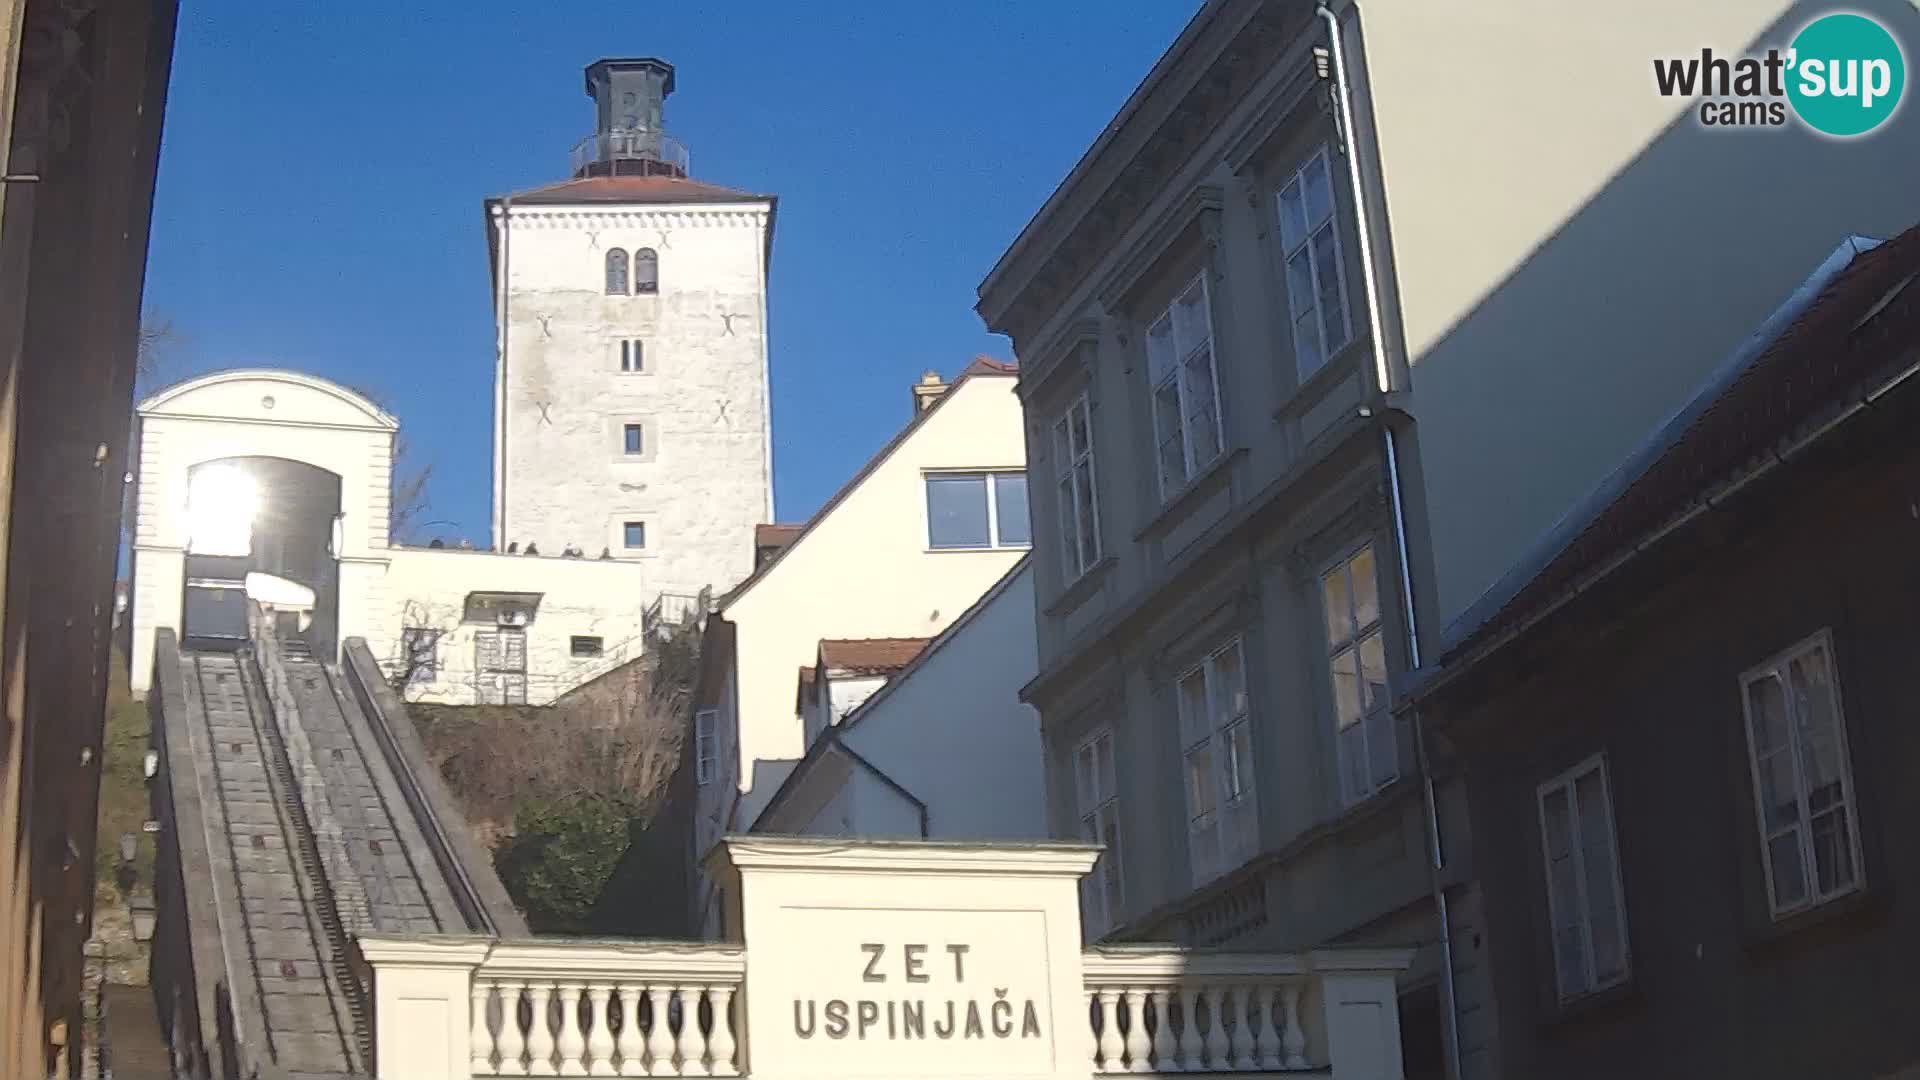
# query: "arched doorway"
268,528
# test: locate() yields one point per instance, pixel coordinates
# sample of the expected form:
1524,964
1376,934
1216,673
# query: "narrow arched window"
646,271
616,272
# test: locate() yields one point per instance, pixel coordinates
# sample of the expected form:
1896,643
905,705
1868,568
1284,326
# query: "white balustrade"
1160,1009
606,1009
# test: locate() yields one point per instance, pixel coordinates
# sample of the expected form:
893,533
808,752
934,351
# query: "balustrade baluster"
1293,1041
689,1018
1268,1039
1135,999
1110,1044
659,1038
1093,1031
1216,1027
540,1032
722,1041
1190,1044
480,1034
692,1037
1164,1059
573,1042
633,1044
600,1040
1246,1044
513,1038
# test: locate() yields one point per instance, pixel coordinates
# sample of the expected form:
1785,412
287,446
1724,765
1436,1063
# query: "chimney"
629,133
927,391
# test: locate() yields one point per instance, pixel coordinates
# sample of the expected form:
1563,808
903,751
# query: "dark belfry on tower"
629,136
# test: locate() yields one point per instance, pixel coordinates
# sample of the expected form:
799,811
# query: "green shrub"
560,857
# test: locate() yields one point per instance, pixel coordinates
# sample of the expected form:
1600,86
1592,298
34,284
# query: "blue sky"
324,165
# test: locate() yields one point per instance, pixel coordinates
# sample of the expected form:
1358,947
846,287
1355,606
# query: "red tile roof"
870,656
987,365
632,189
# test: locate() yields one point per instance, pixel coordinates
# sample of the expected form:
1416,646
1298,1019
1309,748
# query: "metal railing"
632,144
674,611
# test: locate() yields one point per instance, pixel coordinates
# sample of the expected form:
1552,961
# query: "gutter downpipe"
1383,381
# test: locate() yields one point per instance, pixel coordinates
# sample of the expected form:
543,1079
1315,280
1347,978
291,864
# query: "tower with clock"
631,416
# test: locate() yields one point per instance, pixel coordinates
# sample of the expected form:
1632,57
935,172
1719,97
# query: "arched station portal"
266,528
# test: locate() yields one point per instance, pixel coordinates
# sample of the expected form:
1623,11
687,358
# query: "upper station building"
631,411
631,446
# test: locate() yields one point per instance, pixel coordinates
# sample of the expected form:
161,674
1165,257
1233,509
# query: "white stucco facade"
382,590
864,568
584,620
256,413
701,478
945,750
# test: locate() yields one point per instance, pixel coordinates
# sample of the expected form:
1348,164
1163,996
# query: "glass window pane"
1203,417
1789,878
1077,426
1832,836
1813,705
1383,748
634,534
616,272
1293,216
957,511
1010,509
1239,760
1200,783
1326,270
1346,687
1366,587
1230,679
1301,295
1192,692
1190,329
1089,524
1319,191
633,439
1062,447
1609,949
1373,670
1767,714
1069,538
1339,610
1172,451
1307,353
1161,354
1779,802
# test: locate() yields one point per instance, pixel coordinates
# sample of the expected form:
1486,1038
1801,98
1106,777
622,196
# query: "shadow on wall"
1609,325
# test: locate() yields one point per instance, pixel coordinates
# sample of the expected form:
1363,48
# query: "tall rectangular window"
500,666
1217,737
633,355
1357,668
1802,778
633,438
1186,400
1097,803
1079,505
633,534
977,510
1585,903
420,653
706,745
1316,281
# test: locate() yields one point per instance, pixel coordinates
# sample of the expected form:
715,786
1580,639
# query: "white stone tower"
630,398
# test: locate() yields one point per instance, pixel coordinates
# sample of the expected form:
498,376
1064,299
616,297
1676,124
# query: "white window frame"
1193,459
1373,723
1583,888
991,486
1076,482
1812,896
706,746
633,356
1305,363
1224,735
1097,807
634,427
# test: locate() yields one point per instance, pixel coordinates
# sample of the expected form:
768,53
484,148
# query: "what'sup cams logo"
1843,75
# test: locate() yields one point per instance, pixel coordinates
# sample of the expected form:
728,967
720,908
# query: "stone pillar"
422,1005
1362,1017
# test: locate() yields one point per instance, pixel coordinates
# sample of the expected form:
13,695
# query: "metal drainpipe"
1369,276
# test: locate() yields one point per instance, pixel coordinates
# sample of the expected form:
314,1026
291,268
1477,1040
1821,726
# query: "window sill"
1181,501
1083,586
1309,391
1866,904
981,550
1592,1004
